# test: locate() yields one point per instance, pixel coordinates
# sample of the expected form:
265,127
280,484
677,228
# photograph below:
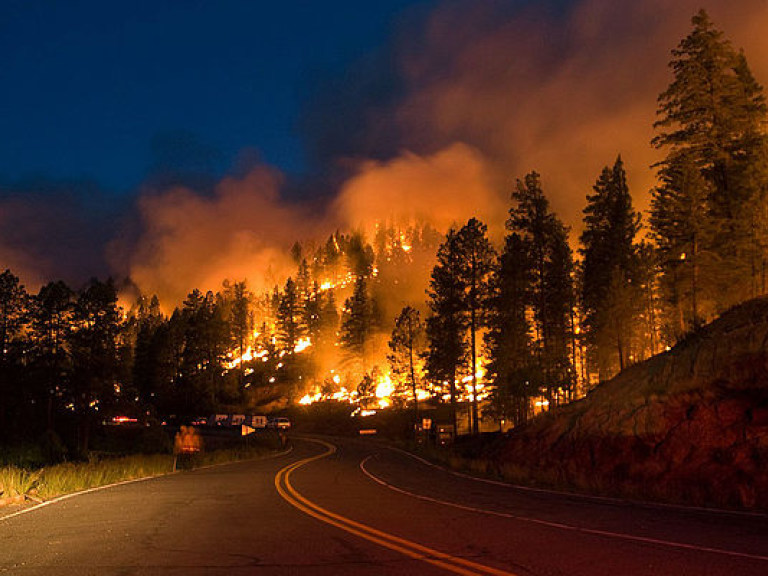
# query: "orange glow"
302,345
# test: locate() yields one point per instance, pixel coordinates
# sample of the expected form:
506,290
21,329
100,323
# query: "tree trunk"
412,372
453,401
694,284
473,336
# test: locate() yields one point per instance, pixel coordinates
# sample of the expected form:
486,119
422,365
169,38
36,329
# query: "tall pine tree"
405,345
477,255
446,335
545,241
508,342
610,270
711,119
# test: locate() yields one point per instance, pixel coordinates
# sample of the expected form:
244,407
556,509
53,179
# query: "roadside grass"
59,479
75,476
16,482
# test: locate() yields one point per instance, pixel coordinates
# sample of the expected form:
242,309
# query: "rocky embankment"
689,425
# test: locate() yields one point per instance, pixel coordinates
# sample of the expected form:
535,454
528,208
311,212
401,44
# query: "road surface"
354,507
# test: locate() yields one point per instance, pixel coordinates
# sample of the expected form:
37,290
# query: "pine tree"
13,316
329,319
359,255
357,325
290,326
711,119
94,353
51,321
406,344
712,112
477,255
558,316
609,267
206,341
445,328
648,273
684,232
14,311
303,280
508,339
241,320
545,241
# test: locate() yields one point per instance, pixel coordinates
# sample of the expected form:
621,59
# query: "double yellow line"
411,549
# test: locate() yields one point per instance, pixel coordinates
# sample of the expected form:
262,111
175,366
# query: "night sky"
137,135
107,91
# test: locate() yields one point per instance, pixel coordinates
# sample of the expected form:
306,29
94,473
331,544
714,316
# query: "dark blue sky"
110,91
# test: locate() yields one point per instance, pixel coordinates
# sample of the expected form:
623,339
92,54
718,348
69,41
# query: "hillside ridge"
689,425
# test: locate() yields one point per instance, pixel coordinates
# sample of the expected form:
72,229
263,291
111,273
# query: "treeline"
74,359
553,327
503,324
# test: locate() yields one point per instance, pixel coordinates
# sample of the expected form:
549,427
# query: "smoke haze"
243,231
486,92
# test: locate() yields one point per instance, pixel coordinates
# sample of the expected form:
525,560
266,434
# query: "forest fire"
428,289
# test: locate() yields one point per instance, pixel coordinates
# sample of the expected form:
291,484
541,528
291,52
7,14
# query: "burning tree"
357,326
406,344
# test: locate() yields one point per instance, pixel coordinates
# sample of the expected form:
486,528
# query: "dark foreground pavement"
365,509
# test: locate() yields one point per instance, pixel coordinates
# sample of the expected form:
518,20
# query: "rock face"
689,425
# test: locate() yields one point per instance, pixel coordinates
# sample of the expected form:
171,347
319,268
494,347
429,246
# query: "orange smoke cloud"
241,232
445,188
492,91
533,89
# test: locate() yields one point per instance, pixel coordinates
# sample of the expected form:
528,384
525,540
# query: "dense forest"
507,326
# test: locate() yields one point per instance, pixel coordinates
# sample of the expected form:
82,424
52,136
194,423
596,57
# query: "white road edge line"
579,496
558,525
123,482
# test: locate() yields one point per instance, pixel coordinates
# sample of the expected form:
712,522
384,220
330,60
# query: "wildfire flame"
302,345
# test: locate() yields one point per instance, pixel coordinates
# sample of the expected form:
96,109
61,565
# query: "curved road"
355,507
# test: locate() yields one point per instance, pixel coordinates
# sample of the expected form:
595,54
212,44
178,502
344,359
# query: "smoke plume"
243,231
564,93
444,189
488,92
474,94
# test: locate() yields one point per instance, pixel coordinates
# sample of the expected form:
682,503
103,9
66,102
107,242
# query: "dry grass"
52,481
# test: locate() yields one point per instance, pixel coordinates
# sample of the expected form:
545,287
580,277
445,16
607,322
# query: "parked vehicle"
279,423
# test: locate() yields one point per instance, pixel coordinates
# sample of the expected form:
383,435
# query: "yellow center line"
406,547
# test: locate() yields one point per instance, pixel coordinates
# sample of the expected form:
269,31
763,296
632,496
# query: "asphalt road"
354,507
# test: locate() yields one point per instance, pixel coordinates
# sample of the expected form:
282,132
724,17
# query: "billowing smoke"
485,92
444,189
489,91
243,231
533,87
